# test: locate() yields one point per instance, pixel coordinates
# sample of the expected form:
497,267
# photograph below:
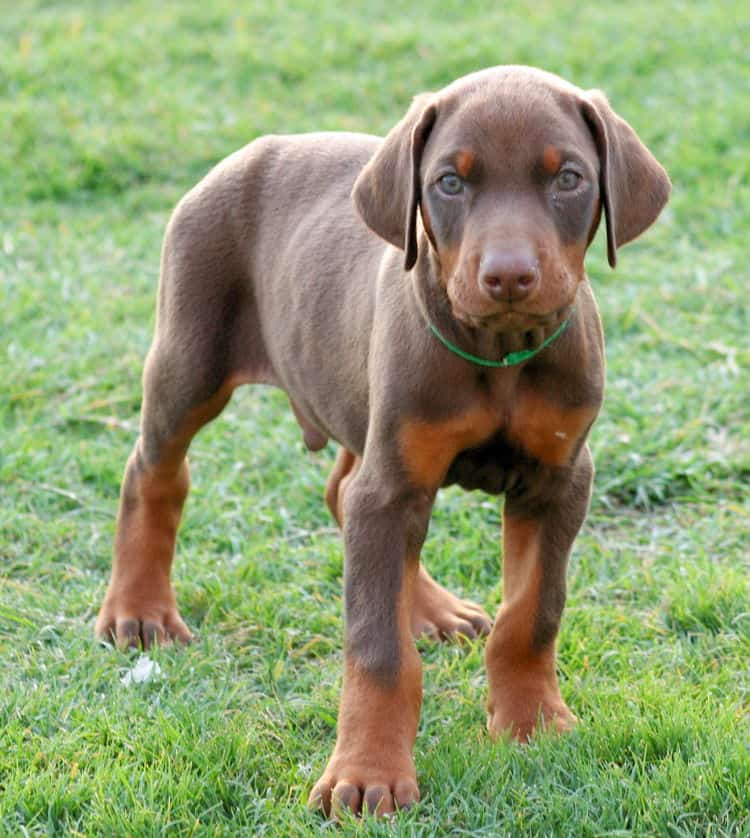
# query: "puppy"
422,299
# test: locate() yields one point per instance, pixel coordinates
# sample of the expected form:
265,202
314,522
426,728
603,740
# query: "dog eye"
568,180
451,184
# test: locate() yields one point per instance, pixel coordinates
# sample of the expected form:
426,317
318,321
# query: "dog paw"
140,625
439,614
521,718
361,787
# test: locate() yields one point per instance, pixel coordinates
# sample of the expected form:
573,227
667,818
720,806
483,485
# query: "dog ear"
634,187
388,190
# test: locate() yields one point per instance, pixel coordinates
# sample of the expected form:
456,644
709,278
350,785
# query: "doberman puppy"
441,328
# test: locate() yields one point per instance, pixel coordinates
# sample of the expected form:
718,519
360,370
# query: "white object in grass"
144,670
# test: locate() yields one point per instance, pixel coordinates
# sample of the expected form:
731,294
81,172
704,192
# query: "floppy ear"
633,185
388,190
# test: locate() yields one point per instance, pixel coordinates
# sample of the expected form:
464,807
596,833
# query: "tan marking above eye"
465,162
551,160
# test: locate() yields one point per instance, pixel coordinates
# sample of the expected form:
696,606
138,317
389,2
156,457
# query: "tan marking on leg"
139,606
428,448
548,431
521,577
522,680
345,461
343,485
372,761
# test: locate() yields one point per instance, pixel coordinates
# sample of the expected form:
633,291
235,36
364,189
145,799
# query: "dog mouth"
512,320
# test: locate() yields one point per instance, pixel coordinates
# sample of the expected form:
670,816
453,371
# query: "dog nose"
508,275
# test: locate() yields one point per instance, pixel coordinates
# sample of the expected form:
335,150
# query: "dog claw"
335,798
346,796
141,632
438,613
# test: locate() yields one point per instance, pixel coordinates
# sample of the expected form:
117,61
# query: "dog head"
510,170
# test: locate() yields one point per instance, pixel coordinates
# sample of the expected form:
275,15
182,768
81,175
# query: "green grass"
109,112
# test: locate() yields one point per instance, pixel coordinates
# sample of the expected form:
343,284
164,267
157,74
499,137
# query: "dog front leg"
372,766
520,653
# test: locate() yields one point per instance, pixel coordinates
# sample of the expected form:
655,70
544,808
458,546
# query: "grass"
109,112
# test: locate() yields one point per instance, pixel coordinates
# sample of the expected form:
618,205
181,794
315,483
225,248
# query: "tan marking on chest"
428,448
548,431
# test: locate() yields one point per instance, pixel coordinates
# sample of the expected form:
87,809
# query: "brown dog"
452,337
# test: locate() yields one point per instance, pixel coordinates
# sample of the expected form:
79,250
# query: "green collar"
511,359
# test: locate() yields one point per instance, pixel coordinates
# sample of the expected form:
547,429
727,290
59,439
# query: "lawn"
109,112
